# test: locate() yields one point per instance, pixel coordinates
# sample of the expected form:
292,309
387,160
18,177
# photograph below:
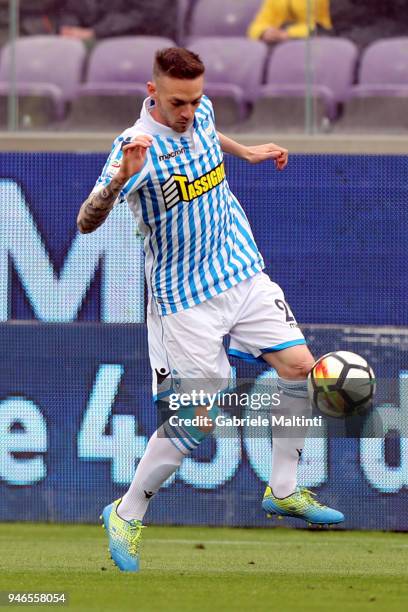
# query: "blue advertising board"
332,229
76,413
75,407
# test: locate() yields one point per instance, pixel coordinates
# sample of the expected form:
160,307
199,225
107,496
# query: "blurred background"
329,80
301,66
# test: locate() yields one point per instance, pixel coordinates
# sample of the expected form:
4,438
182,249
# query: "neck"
155,113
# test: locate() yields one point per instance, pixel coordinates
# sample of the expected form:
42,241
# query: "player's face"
176,100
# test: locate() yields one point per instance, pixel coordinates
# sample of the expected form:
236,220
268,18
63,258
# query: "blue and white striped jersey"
198,242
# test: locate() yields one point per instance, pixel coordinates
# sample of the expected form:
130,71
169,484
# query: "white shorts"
188,345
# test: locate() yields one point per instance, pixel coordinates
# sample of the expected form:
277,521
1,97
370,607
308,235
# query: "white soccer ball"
341,383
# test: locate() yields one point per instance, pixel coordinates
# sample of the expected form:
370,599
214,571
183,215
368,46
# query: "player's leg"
266,329
183,347
123,519
164,454
292,365
283,496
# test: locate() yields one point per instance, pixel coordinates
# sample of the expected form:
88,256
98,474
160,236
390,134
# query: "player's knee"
206,418
198,421
296,370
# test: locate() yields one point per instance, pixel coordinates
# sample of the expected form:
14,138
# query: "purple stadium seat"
380,100
225,18
281,101
112,96
127,59
47,67
39,105
233,74
385,62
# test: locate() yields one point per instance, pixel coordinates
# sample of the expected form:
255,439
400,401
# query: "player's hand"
273,35
260,153
134,155
75,32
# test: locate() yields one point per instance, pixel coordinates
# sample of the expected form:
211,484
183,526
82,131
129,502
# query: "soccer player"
205,280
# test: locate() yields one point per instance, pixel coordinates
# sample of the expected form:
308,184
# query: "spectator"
93,19
36,17
364,21
279,20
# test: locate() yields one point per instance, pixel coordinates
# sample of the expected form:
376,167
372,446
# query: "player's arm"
98,205
257,153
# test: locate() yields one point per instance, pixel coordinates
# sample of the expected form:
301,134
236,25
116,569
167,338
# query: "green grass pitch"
204,569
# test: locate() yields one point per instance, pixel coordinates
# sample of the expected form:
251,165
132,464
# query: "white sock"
160,460
286,452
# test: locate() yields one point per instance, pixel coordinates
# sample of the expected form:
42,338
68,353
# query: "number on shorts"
283,306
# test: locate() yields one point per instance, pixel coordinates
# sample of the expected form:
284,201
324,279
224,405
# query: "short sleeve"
112,166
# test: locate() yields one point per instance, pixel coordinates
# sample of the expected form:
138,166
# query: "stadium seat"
233,75
226,18
381,96
47,72
281,102
112,96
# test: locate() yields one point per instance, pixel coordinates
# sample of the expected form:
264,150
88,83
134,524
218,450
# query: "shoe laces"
310,495
135,536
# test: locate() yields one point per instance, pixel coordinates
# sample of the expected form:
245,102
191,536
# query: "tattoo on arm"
97,206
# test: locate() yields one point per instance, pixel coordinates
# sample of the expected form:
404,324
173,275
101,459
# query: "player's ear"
151,89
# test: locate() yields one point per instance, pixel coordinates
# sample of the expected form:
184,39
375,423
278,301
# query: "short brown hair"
178,63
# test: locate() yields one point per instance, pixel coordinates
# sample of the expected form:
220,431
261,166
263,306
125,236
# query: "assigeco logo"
179,189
